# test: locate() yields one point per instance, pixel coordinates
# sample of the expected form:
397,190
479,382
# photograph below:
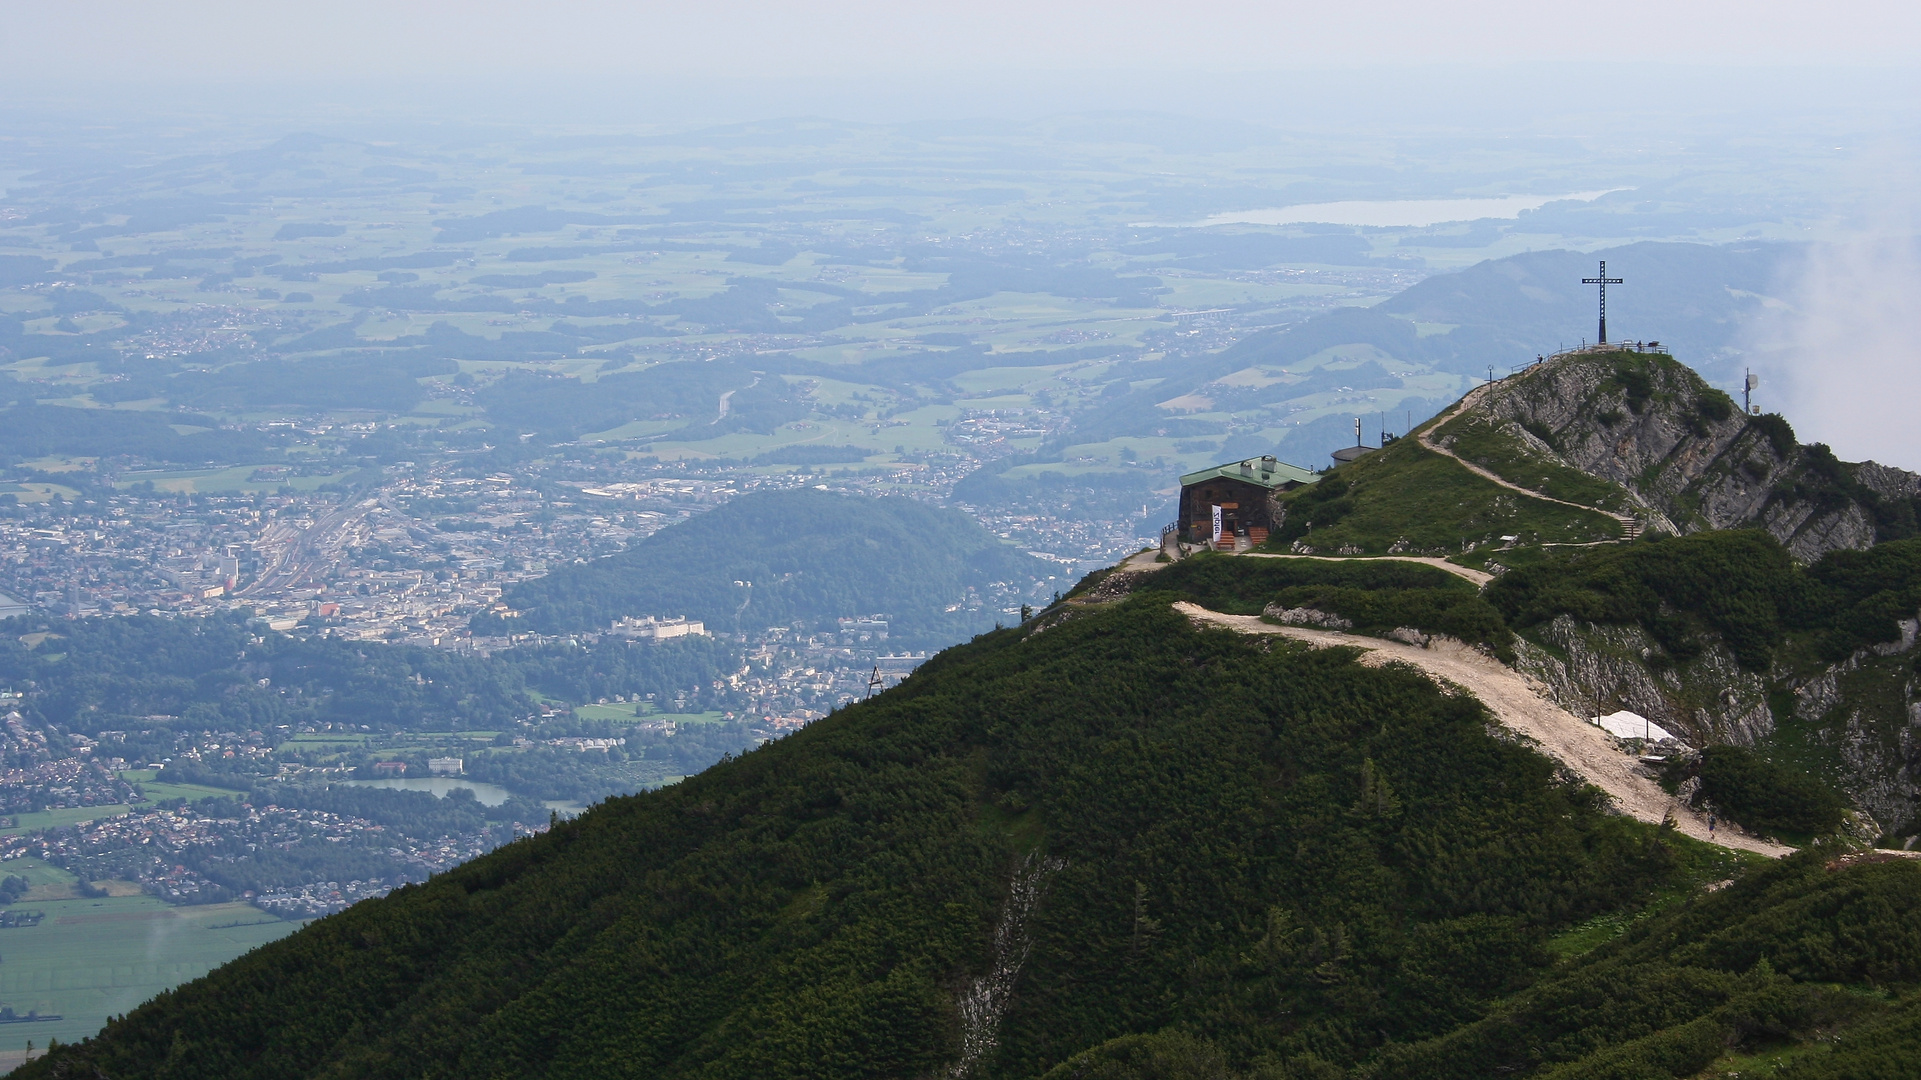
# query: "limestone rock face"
1867,712
1306,616
1602,669
1887,482
1688,455
1863,713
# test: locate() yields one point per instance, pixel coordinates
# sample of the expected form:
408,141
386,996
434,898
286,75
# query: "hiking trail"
1520,706
1466,573
1630,525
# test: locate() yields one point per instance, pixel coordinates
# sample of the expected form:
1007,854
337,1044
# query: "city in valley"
369,504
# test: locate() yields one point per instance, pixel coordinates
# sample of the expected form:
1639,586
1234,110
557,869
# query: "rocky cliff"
1683,451
1857,722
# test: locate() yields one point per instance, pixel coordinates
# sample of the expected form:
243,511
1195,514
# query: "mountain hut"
1232,507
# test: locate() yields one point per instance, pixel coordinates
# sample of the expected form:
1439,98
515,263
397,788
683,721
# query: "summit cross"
1603,281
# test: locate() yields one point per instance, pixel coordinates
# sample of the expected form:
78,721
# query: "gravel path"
1630,528
1519,705
1478,577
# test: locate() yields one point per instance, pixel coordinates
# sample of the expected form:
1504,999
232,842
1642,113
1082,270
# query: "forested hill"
802,558
1101,844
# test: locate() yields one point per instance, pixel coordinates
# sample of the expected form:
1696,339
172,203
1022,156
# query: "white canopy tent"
1630,725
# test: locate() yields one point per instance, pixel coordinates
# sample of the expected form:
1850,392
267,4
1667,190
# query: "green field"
53,819
228,480
626,714
1407,498
94,958
155,792
37,493
619,714
323,741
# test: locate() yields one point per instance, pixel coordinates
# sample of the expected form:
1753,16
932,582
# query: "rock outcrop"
1594,670
1866,713
1863,715
1688,456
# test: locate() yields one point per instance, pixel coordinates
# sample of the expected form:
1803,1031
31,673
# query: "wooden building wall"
1248,510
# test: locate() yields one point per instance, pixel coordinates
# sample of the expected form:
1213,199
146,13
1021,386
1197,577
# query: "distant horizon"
1432,99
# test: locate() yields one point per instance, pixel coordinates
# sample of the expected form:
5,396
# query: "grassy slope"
1428,504
1495,447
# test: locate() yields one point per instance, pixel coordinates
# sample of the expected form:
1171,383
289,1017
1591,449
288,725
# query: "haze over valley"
656,474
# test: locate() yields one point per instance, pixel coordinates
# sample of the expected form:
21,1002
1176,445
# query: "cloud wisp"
1842,358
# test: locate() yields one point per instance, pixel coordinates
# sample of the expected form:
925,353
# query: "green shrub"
1714,405
1740,968
1169,1055
1858,598
1275,849
1318,507
1376,595
1453,612
1636,383
1779,433
1886,1050
1242,586
1765,796
1542,432
1732,584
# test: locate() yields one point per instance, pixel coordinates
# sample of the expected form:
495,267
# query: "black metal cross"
1603,281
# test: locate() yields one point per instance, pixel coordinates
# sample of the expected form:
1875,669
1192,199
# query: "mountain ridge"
1688,455
1621,434
1110,844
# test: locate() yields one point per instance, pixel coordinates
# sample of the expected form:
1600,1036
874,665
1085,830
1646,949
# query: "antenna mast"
875,682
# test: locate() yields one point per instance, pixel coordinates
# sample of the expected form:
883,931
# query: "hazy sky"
194,40
1734,73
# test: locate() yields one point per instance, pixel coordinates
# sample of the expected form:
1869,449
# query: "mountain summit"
1688,456
1600,445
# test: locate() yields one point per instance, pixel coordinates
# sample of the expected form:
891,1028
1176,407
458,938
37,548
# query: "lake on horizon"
441,786
1393,213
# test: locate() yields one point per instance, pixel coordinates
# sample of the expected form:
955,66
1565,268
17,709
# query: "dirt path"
1478,577
1629,526
1519,706
1144,562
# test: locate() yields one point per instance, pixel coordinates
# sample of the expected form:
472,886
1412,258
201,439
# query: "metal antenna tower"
875,682
1603,281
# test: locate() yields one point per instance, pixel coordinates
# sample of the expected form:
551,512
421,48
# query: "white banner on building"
1217,524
